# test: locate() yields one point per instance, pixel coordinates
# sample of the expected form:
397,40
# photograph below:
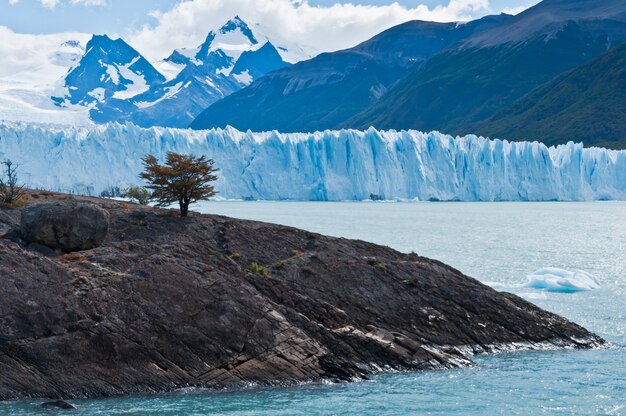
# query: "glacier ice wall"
330,165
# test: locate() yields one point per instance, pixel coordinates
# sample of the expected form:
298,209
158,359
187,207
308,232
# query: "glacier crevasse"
330,165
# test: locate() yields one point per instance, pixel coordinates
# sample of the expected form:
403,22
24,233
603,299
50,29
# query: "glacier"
320,166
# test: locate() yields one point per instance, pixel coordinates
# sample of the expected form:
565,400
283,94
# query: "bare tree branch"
10,190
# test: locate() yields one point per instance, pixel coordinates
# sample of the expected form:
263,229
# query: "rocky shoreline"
165,303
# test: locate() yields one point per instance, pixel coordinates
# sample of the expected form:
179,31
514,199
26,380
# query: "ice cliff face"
331,165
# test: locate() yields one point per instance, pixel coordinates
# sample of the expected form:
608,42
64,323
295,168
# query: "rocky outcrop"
65,226
4,227
58,404
207,301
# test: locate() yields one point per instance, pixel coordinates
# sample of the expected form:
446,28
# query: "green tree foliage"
183,178
138,194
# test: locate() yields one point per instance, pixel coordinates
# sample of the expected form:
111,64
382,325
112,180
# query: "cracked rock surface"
208,301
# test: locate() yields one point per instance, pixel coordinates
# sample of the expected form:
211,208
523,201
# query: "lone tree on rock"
183,178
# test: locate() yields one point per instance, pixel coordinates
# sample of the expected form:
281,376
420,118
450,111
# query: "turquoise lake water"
498,243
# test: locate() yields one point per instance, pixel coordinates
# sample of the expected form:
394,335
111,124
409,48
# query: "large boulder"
5,223
8,224
66,226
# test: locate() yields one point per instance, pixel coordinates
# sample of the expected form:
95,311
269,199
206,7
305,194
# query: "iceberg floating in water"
553,279
329,165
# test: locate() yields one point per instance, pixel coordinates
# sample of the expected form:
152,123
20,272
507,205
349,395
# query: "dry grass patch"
377,265
259,269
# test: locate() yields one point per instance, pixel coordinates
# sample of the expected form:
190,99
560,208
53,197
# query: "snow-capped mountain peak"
235,25
254,64
234,38
222,51
81,78
108,69
221,48
229,59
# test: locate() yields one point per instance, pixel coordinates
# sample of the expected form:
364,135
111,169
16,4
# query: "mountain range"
94,78
552,73
323,92
116,83
456,78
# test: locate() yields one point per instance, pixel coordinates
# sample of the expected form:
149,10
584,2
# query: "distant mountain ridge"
461,89
324,91
549,17
505,76
116,83
455,86
110,72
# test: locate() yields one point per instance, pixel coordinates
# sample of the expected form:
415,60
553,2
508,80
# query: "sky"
156,27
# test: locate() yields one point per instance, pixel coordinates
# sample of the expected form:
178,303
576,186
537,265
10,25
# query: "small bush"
138,194
259,269
112,192
73,258
377,265
413,283
11,192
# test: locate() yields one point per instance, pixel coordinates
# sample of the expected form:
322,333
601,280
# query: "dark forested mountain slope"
332,87
458,90
454,78
587,104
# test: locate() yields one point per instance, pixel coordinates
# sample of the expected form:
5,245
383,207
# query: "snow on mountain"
31,67
109,69
228,60
255,63
116,83
176,102
234,38
69,79
223,49
330,165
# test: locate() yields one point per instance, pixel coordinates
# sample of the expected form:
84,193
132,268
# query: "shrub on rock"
11,192
138,194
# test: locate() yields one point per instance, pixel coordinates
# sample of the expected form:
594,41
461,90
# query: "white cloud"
90,2
323,28
519,9
52,4
32,59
